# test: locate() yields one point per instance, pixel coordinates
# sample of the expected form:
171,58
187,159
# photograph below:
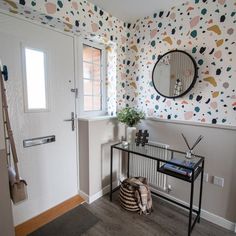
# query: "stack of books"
178,169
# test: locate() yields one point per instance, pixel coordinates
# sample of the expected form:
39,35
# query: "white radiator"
140,166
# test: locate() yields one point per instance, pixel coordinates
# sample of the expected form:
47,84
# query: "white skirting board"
94,197
218,220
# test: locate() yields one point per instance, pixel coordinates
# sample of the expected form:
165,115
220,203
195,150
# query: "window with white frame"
94,91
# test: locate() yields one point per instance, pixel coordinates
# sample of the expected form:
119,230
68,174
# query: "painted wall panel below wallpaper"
219,149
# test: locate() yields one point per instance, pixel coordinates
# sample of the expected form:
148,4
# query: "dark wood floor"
164,221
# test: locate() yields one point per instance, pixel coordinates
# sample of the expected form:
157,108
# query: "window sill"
95,118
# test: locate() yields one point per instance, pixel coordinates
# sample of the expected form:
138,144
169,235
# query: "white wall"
96,137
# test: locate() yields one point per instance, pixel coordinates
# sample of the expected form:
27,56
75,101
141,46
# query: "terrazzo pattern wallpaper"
205,29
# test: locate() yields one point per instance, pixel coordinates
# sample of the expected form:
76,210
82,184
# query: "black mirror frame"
194,77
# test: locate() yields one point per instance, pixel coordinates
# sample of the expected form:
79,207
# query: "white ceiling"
131,10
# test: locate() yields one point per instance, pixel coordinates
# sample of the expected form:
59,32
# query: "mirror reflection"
174,74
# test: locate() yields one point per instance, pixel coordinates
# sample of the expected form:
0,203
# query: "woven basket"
127,198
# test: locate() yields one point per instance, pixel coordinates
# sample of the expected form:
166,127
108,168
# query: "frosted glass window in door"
35,79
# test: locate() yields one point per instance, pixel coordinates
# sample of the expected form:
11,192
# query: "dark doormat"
72,223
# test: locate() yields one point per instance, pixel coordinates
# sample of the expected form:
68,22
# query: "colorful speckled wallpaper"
205,29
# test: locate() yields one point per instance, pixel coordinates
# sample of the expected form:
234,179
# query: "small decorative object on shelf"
189,153
145,137
138,137
142,137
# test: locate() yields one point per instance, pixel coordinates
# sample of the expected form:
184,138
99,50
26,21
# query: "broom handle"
8,127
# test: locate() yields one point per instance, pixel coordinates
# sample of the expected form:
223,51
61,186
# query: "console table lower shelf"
196,170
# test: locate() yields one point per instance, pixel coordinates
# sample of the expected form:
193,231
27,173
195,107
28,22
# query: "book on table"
178,169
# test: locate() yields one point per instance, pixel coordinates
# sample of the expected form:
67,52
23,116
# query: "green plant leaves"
130,116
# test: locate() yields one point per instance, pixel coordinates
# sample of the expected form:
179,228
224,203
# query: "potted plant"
131,117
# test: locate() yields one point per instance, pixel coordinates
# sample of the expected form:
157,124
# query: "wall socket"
218,181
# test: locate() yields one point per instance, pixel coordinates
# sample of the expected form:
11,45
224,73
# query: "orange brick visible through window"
92,78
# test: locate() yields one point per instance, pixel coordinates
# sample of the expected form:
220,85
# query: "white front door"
49,169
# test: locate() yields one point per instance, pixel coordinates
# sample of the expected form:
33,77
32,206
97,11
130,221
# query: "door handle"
72,120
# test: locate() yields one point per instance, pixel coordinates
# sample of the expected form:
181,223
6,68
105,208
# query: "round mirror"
174,74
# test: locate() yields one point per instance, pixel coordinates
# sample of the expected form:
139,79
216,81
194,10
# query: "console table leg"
128,165
111,162
200,194
191,205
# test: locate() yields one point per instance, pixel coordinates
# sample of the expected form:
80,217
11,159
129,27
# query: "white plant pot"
131,134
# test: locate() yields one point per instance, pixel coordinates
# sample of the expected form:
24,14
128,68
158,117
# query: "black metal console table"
153,152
